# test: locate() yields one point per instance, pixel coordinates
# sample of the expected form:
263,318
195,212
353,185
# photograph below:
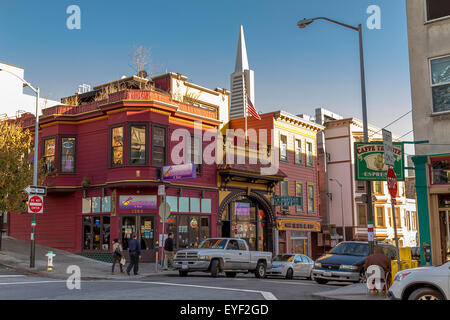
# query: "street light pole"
342,207
302,24
35,161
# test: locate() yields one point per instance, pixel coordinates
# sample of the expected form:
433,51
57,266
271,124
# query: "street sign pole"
392,185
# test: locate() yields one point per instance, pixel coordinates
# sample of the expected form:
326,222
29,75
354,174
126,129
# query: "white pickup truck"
227,255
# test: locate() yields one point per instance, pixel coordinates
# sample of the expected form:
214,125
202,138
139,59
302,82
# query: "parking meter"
427,252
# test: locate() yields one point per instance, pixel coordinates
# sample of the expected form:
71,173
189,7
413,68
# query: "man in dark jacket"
378,258
134,249
168,251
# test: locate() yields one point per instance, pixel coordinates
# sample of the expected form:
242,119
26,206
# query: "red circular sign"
392,182
35,204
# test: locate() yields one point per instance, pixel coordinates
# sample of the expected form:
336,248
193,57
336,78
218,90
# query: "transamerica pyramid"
242,80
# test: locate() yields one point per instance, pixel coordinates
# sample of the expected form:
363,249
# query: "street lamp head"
303,23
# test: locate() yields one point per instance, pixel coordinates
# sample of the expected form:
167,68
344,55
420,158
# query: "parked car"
345,262
425,283
291,265
227,255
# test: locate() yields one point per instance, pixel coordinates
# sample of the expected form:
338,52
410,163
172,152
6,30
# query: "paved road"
14,285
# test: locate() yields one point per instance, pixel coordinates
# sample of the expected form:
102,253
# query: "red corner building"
104,151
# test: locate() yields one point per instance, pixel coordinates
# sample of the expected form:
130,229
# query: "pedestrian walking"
378,258
134,249
117,255
168,251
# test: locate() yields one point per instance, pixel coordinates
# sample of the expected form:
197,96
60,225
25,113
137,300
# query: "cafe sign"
298,225
286,201
178,172
369,161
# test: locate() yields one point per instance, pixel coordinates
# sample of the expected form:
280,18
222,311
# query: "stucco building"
429,52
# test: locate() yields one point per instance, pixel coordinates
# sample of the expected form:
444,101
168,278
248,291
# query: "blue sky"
295,70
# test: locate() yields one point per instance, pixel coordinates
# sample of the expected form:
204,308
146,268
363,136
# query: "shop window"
96,204
311,199
298,152
436,9
173,203
195,205
380,217
138,145
206,205
67,154
183,203
117,146
362,215
159,138
309,154
440,171
192,230
49,155
299,193
106,204
440,83
283,148
96,233
86,205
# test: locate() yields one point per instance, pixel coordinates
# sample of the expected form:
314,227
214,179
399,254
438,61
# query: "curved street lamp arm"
337,22
23,80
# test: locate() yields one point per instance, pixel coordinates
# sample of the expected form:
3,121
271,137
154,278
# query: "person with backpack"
117,254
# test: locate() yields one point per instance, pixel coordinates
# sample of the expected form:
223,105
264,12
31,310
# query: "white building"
12,96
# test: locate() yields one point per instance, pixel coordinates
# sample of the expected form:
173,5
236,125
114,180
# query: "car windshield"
351,249
213,244
283,257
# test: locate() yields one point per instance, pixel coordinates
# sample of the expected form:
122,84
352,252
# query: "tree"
142,62
16,152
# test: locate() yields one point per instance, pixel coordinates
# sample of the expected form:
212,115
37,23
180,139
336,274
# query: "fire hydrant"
50,256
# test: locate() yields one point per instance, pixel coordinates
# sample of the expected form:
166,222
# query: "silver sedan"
291,265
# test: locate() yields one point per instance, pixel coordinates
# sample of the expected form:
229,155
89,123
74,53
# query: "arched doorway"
249,217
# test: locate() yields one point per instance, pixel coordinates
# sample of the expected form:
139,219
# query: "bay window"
67,154
117,146
49,155
138,144
159,142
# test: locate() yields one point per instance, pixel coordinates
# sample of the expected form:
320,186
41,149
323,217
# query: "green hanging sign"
369,161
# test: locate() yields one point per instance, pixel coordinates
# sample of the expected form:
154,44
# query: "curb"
87,278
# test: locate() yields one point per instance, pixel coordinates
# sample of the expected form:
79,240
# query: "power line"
406,134
391,123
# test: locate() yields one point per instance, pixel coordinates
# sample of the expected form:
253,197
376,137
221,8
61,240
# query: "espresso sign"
370,164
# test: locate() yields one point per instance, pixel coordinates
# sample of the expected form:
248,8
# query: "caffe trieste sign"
369,161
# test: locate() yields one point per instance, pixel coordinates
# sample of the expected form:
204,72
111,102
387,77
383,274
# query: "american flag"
251,109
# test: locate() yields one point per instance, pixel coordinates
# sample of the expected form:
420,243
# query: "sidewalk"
356,291
15,254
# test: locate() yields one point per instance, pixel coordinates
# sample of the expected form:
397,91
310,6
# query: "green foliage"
16,169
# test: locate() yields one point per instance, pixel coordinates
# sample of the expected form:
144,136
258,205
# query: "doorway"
144,227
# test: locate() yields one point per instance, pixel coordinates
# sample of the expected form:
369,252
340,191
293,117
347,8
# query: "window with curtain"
380,217
68,154
299,193
311,198
362,216
298,152
158,146
440,83
117,146
309,154
49,155
138,137
283,148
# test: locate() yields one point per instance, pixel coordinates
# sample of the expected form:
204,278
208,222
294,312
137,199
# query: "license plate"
184,266
327,274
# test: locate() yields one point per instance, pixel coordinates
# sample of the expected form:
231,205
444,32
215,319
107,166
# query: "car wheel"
289,274
215,268
260,270
320,281
230,274
425,294
183,273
